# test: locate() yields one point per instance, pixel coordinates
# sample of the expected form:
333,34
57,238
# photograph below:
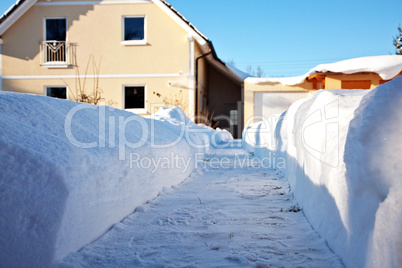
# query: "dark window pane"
57,92
134,97
56,29
233,117
133,29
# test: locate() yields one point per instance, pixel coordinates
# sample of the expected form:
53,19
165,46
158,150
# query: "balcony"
56,54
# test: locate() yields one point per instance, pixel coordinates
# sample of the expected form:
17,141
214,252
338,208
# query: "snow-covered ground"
228,213
344,164
69,171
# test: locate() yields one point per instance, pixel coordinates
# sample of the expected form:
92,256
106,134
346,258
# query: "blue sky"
288,37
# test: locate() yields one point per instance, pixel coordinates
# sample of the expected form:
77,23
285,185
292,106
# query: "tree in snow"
398,42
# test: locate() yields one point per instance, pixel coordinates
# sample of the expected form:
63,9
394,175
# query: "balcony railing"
56,54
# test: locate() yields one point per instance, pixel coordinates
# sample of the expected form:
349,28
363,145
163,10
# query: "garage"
269,103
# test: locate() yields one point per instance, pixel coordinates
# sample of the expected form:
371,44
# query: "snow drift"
344,163
69,171
259,138
373,159
200,136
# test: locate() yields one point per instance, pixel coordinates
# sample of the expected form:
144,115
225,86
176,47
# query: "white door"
269,103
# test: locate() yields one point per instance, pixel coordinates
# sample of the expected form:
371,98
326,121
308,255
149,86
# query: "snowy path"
224,217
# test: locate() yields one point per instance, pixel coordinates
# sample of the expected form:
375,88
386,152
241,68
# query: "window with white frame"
134,98
56,92
134,30
55,46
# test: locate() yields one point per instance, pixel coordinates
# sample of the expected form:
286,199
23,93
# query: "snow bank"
259,138
221,138
373,158
344,163
69,171
200,136
312,140
387,67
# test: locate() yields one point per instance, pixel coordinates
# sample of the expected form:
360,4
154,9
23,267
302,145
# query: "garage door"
269,103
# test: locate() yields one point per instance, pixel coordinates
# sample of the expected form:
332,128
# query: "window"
54,48
135,99
56,29
56,92
233,117
134,31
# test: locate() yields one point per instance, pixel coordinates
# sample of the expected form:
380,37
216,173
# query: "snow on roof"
288,81
387,67
237,72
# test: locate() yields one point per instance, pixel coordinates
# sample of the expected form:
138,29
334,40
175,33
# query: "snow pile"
387,67
70,171
220,138
200,136
312,140
344,163
373,158
259,138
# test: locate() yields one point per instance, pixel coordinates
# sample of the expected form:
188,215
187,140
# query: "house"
139,54
264,97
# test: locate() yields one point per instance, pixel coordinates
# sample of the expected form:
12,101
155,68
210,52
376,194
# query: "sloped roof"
184,19
11,10
239,73
14,13
19,3
206,44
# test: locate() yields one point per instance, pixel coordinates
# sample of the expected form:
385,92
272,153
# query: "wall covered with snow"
69,171
343,155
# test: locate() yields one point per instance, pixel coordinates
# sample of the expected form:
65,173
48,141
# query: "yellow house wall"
97,30
112,90
250,89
